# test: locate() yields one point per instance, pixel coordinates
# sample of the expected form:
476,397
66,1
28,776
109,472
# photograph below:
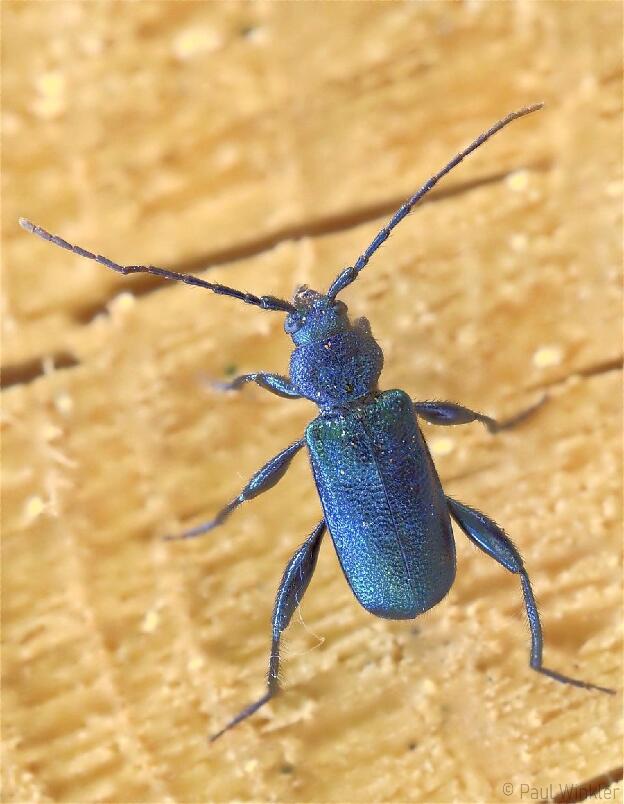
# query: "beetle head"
316,317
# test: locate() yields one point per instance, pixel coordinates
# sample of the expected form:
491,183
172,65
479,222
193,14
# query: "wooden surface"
267,143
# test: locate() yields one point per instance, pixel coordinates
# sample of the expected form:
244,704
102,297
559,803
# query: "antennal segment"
350,274
265,302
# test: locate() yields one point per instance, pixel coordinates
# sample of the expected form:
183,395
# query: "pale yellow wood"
276,139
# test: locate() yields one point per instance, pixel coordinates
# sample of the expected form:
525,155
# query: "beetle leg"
293,585
275,383
445,413
263,480
487,535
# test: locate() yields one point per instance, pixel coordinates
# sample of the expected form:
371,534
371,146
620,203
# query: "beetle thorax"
335,362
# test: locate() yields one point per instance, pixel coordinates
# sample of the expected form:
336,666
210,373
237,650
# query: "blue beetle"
382,499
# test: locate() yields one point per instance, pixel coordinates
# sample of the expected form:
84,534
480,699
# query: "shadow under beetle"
382,500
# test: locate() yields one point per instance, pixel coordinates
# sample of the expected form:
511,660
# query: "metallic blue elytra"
384,505
382,500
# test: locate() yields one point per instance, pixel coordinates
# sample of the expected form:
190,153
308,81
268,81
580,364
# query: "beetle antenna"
350,274
265,302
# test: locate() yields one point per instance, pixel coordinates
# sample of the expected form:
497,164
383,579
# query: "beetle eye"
292,324
340,307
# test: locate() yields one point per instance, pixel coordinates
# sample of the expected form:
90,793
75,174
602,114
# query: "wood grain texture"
266,144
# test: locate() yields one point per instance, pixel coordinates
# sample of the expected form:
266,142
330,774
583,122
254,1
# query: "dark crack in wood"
144,285
591,370
589,789
29,370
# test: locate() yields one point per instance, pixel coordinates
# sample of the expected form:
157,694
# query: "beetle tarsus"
495,426
575,682
243,715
